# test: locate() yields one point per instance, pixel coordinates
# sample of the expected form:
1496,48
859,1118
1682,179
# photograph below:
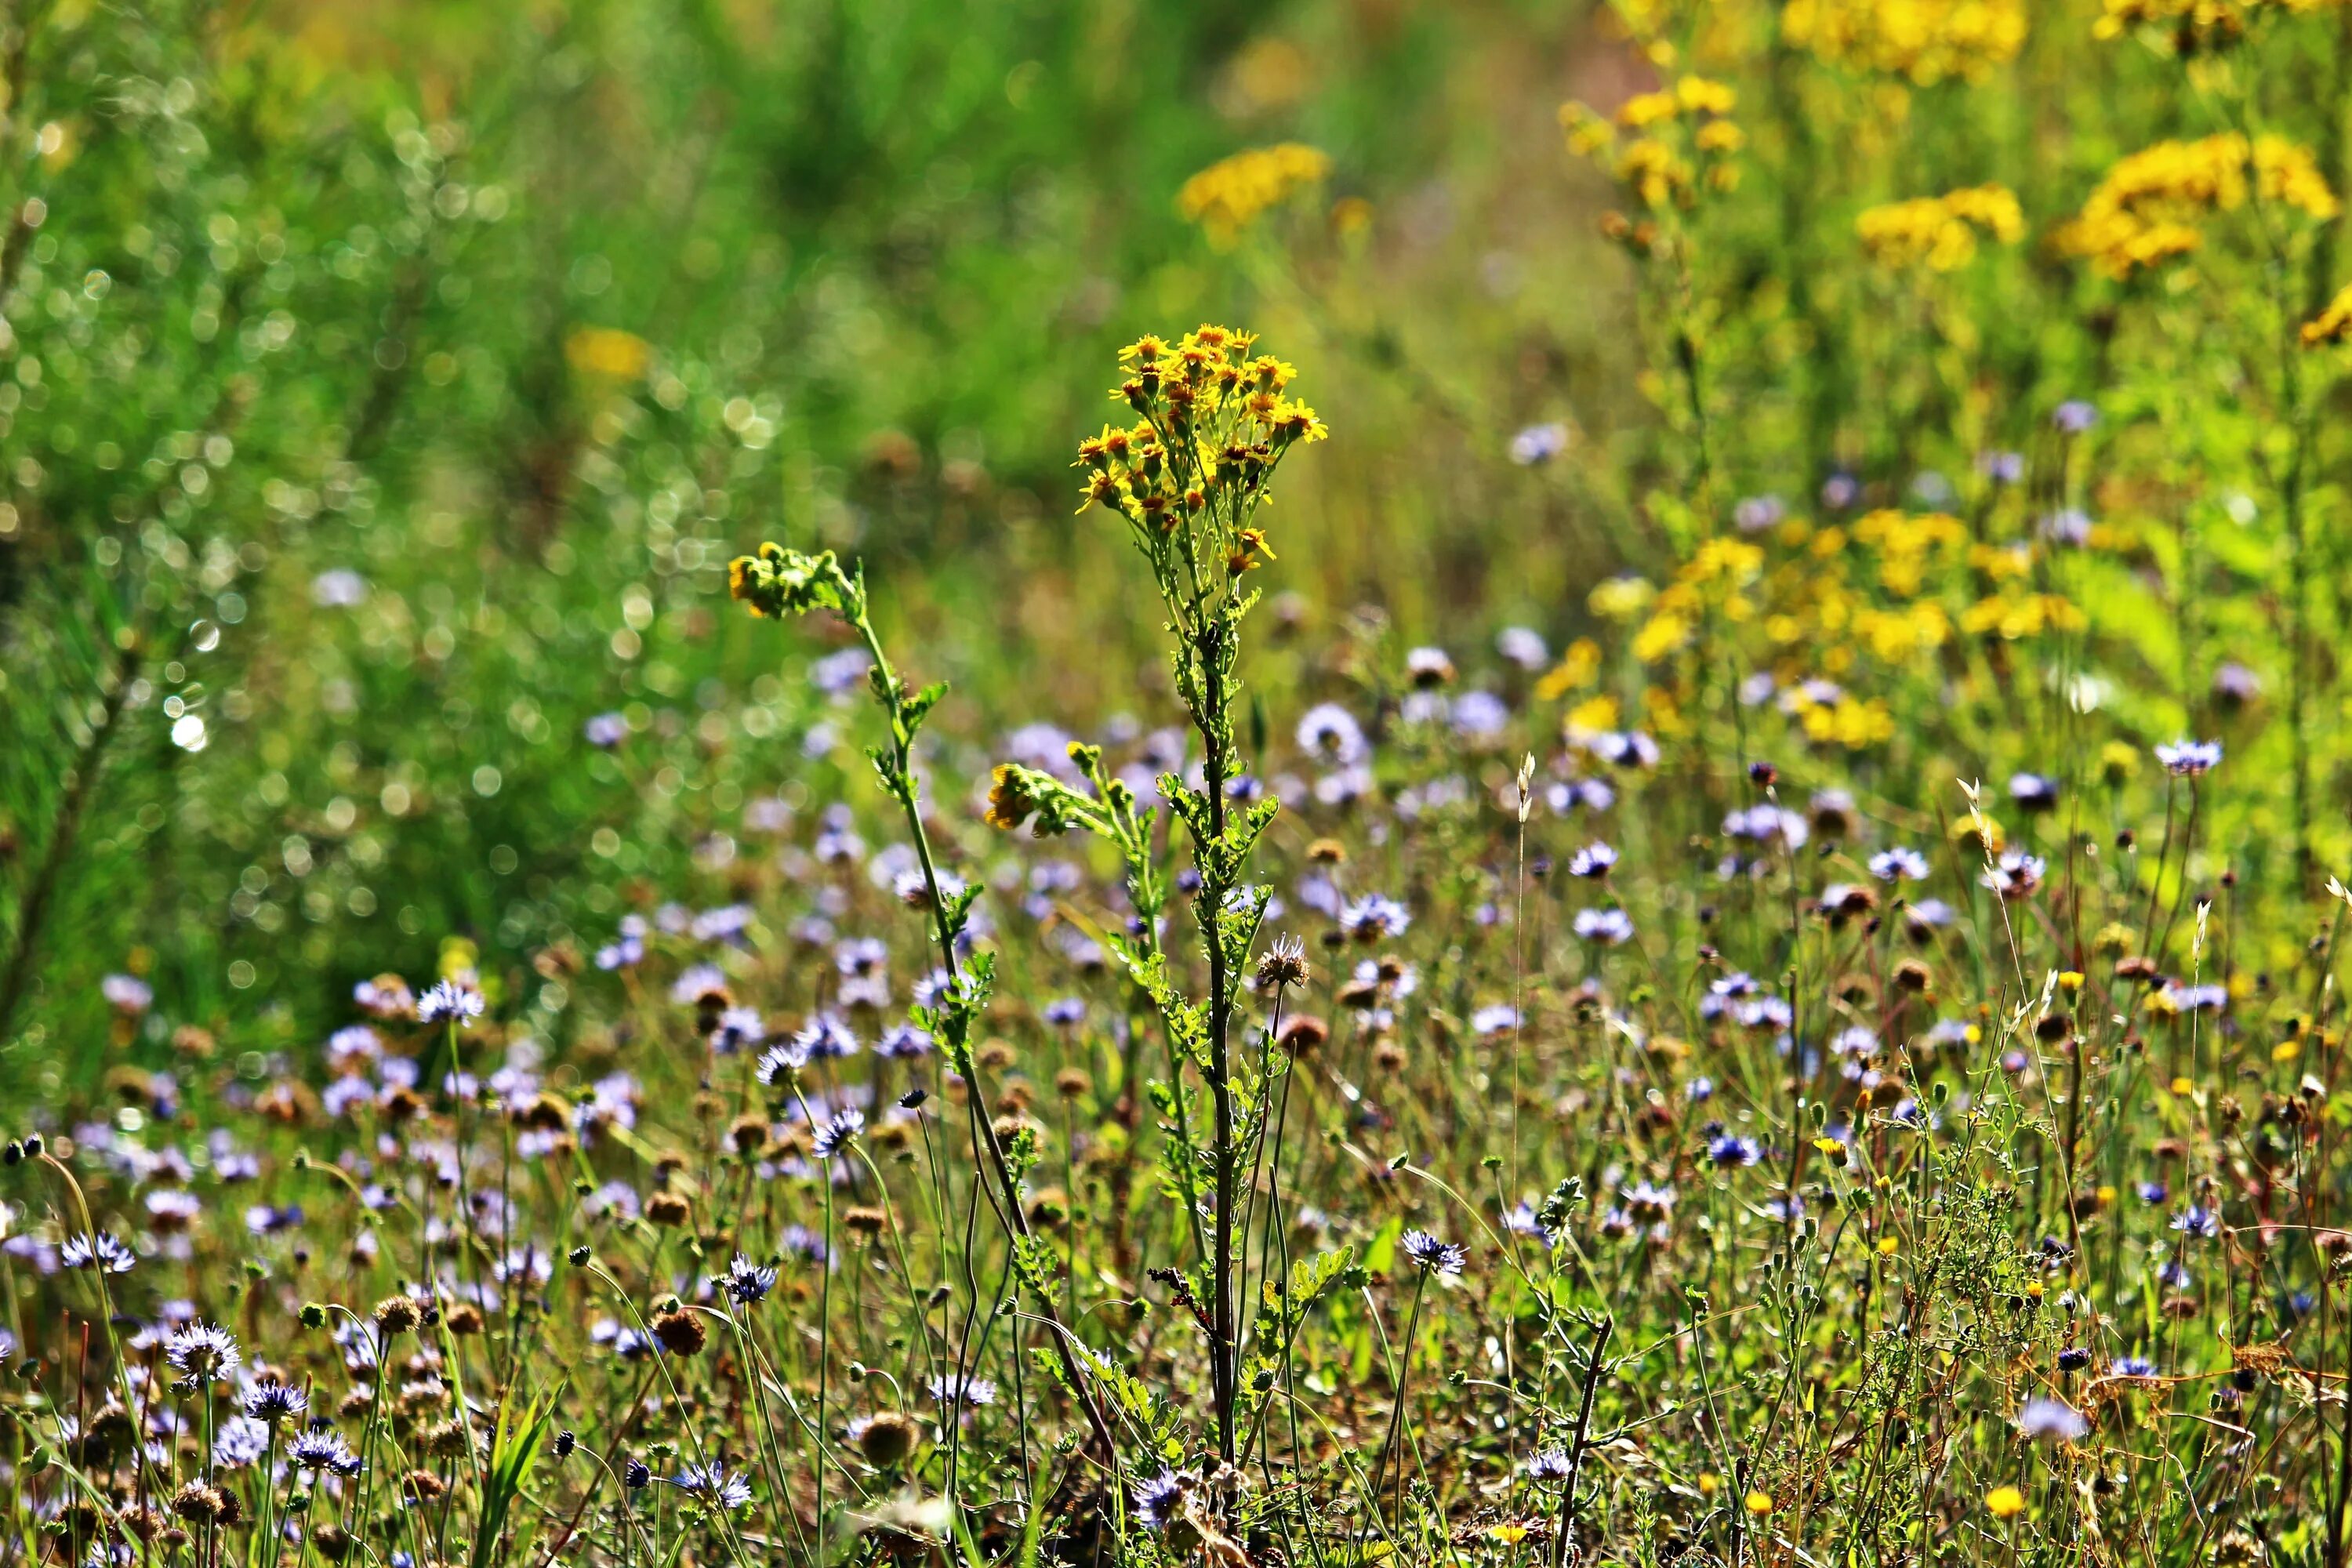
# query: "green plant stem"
1008,1189
1216,734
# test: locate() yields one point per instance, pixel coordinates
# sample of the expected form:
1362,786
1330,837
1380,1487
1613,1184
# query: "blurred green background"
388,384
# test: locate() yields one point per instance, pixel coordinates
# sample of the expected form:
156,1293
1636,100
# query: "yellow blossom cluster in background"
2334,324
1940,231
607,352
1664,146
1925,41
2199,24
1835,604
1844,720
2148,208
1228,195
1901,635
1905,542
2013,613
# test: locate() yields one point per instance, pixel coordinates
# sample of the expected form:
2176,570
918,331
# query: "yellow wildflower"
1720,136
1895,636
1577,666
1621,599
1855,725
1940,231
1904,543
1992,841
2005,1503
608,353
2147,208
1645,110
1698,95
1228,195
1925,41
1723,559
2196,26
1654,172
2015,616
1662,130
1593,716
2332,325
1587,133
1662,635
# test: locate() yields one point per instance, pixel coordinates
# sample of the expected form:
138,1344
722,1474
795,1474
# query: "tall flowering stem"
776,583
1213,422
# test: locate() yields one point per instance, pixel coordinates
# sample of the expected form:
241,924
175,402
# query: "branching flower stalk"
1188,479
777,583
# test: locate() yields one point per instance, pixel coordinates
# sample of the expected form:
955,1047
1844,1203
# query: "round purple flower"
2190,758
1432,1255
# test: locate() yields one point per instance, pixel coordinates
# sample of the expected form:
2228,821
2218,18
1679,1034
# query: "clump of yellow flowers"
607,352
1926,41
2333,325
2149,207
1665,147
1887,591
1228,195
2197,26
1940,231
1189,477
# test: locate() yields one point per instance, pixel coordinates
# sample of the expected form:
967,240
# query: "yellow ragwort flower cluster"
1213,424
1906,543
1885,592
2149,207
1939,231
1926,41
1718,573
607,352
2333,325
1228,195
1665,147
2014,612
2199,26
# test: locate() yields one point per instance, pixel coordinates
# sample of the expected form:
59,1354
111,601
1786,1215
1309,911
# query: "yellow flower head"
1588,131
1621,599
1662,131
1213,424
1698,95
2194,27
2333,325
607,352
1924,40
1940,231
1646,109
1593,716
1229,196
2150,207
2004,1502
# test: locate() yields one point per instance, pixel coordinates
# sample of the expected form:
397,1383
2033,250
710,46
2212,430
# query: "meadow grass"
668,897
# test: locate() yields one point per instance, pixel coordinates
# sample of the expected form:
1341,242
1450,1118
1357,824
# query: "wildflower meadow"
1286,785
